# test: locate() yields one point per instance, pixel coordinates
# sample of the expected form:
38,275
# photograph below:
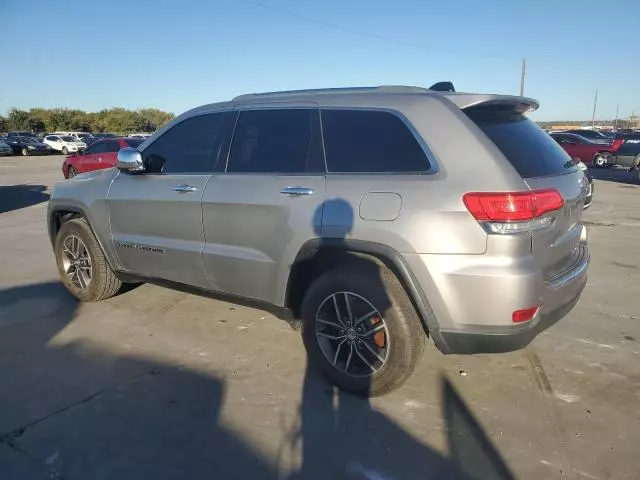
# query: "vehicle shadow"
616,175
14,197
74,409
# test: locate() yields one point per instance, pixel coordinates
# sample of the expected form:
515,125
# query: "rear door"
266,203
543,164
156,216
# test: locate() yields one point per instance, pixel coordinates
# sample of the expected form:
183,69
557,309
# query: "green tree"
18,119
3,124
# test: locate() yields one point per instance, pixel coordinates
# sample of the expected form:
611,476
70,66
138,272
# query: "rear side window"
187,147
276,141
133,142
369,141
111,146
531,150
96,148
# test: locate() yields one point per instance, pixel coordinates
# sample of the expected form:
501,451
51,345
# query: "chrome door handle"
183,188
296,191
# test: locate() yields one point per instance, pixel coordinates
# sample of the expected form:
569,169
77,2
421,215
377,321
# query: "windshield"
29,140
83,135
588,133
68,138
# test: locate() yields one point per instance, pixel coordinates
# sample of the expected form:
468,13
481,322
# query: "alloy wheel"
352,334
76,261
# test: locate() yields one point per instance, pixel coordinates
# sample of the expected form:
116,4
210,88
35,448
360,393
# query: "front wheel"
361,330
71,172
82,266
25,152
65,151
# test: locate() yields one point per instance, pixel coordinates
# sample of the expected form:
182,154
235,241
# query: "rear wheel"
24,152
601,160
65,151
82,266
361,330
71,172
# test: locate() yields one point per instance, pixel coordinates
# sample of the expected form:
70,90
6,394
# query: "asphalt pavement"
161,384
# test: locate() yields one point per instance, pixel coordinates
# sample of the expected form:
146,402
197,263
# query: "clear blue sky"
178,54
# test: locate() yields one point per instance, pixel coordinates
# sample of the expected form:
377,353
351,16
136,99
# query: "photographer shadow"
344,437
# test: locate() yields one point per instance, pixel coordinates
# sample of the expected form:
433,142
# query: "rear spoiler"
493,102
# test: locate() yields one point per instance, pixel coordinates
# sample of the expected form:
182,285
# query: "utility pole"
522,75
593,117
615,122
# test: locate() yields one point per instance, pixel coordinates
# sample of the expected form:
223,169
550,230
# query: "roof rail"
329,91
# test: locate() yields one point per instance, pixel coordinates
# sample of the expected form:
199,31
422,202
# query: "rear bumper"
506,339
473,309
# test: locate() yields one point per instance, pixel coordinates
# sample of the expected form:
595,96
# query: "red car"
586,151
102,154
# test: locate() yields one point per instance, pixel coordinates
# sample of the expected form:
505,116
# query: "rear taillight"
513,212
617,143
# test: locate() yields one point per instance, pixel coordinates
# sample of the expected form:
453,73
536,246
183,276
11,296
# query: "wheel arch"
63,213
317,256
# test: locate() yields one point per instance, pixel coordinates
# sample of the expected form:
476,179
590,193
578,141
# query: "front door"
260,211
156,216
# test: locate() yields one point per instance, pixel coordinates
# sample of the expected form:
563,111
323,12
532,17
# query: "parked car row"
623,150
19,145
28,143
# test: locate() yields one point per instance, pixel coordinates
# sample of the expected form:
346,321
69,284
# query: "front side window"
186,147
370,141
276,141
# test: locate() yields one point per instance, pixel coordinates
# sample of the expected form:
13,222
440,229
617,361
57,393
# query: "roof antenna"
443,87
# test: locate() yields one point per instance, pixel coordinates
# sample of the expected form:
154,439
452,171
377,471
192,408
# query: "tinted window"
370,141
185,148
531,151
111,146
92,149
133,142
277,141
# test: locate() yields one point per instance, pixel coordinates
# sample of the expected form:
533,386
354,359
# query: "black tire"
601,160
404,335
104,283
24,152
71,172
65,151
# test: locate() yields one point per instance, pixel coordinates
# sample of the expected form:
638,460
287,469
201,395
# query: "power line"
371,36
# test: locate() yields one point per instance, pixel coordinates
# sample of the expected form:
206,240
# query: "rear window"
531,150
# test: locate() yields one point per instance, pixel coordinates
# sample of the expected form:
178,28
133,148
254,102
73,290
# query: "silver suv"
377,216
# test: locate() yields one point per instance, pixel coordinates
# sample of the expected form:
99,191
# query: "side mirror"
130,160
